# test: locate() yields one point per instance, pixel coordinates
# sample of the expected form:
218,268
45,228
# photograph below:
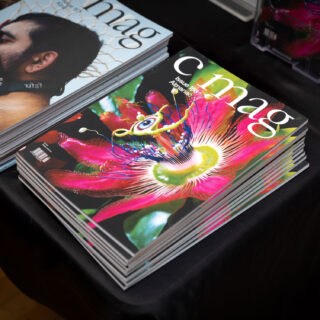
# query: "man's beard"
9,72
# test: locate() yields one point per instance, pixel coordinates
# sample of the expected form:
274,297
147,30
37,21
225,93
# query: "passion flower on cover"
196,157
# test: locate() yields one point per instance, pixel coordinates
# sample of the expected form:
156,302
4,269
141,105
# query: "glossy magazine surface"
143,158
89,44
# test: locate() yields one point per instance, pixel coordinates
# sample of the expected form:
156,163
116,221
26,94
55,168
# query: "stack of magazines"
156,166
58,56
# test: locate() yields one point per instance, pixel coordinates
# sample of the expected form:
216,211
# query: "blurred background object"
242,9
290,29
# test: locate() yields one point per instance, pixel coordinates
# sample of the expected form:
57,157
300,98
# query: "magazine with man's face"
140,160
52,49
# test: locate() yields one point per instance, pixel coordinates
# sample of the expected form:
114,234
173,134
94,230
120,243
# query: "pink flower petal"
95,185
171,114
128,109
206,188
249,152
91,152
157,100
129,112
132,204
113,122
210,116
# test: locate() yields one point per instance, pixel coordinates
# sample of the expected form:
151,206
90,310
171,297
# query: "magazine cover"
142,158
51,49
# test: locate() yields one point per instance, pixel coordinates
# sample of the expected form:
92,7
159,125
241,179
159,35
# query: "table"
262,264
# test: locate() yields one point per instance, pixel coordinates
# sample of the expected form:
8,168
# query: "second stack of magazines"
78,51
156,166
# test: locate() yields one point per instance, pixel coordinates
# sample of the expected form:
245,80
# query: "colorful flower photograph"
138,161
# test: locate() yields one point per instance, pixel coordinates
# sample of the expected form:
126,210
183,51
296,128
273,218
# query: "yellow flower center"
203,159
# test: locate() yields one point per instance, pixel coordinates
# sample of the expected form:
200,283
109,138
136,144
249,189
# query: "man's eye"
3,38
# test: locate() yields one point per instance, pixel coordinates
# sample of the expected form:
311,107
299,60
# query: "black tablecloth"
262,264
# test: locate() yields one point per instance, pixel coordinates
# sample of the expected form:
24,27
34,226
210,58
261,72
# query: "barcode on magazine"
40,155
270,34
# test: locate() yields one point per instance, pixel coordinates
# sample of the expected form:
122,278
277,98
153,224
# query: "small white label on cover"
40,155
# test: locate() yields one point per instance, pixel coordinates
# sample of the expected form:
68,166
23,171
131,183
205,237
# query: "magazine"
176,152
54,52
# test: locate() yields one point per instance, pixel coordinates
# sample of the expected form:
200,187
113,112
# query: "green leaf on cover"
248,109
109,104
97,108
285,131
84,169
288,175
88,212
144,226
279,132
129,90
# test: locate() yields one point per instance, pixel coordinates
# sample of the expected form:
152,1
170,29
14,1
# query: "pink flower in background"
304,19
